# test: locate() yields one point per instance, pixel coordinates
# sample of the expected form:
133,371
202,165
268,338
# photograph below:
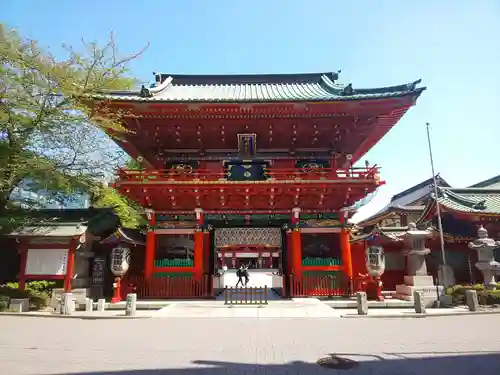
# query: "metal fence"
245,296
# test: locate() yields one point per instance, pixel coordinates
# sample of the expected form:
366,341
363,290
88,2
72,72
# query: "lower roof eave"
69,231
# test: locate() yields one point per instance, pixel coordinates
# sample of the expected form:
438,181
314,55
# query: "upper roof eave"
138,99
310,87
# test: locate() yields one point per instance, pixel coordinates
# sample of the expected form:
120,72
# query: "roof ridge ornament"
145,93
413,85
348,90
149,92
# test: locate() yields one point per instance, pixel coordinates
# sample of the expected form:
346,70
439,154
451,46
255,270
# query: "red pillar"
206,254
70,265
345,247
296,244
149,254
198,246
23,259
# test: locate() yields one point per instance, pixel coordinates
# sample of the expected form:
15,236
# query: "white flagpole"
438,208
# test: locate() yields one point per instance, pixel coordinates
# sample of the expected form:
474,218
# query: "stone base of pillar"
423,284
446,276
418,280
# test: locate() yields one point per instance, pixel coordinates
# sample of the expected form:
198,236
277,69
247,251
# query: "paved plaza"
200,346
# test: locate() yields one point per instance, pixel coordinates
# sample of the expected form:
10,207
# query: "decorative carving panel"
247,236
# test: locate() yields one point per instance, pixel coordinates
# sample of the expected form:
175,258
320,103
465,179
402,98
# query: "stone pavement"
298,308
462,345
107,314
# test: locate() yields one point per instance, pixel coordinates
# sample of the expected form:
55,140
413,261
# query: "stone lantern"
417,279
486,260
417,266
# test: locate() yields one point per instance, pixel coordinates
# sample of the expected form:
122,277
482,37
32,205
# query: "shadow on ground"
452,363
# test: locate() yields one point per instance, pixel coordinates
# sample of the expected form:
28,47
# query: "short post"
89,304
362,303
19,304
471,299
67,305
131,304
418,298
101,304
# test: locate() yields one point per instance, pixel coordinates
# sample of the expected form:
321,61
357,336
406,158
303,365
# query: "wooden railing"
277,174
245,296
319,286
169,287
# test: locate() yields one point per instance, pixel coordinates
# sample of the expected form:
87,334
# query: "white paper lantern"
120,261
375,260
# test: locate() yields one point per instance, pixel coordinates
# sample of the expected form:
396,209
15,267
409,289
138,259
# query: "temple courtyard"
203,346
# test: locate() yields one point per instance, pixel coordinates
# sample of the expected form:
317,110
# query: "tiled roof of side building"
493,182
429,182
404,201
471,200
256,88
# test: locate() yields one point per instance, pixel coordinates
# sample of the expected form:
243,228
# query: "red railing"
170,287
319,286
202,175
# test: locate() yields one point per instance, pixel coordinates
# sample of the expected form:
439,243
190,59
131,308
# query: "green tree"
49,134
129,212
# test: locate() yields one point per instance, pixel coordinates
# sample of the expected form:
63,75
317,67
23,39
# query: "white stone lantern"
416,252
486,259
417,279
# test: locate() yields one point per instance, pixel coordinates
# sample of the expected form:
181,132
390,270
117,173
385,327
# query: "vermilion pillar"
149,256
23,259
296,244
198,245
345,246
70,265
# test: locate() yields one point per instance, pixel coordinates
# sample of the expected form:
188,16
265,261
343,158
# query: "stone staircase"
258,279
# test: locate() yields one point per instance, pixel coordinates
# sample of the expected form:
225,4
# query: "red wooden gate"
320,286
170,287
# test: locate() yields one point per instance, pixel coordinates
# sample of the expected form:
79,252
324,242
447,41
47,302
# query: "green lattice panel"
173,263
176,275
320,262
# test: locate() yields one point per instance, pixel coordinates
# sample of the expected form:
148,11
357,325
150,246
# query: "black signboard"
98,270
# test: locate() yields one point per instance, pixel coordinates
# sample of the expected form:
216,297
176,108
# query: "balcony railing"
268,175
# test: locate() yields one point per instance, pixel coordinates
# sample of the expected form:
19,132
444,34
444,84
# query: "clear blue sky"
453,45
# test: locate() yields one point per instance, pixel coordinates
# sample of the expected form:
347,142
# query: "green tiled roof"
256,88
471,200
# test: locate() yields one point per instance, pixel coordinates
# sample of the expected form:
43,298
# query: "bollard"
131,304
362,303
418,299
19,305
89,304
67,304
471,299
101,304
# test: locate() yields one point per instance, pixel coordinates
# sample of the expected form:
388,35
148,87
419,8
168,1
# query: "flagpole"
438,208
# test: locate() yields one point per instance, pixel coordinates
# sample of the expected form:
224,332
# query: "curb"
82,317
421,316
